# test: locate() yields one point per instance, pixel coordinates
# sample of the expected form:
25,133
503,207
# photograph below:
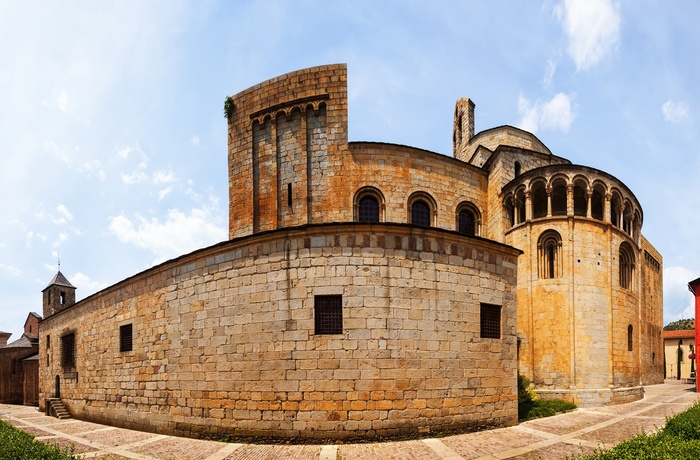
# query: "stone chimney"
4,337
463,128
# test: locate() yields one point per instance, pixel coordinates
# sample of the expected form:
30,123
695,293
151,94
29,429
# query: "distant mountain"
681,325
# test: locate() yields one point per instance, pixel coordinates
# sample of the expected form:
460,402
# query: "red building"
694,287
19,365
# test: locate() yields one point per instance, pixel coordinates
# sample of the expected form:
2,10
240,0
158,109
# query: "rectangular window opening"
490,321
68,350
126,337
328,314
289,195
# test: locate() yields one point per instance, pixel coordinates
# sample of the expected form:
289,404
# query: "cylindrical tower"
579,320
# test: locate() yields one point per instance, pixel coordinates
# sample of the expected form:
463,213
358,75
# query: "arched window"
559,199
467,223
549,255
629,338
520,206
626,266
539,200
627,218
420,213
369,209
615,207
369,205
597,204
510,210
421,209
468,219
580,201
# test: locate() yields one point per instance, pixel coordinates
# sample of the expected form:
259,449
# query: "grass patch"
530,407
678,440
17,445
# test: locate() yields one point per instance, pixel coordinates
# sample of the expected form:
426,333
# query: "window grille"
68,350
369,209
126,337
328,314
420,214
490,321
467,223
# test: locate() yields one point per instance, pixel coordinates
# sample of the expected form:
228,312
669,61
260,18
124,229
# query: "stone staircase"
57,409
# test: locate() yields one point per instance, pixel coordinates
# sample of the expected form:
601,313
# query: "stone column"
589,195
528,204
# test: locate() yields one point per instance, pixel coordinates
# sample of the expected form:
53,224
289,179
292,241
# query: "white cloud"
163,193
62,101
31,236
86,285
679,303
549,74
64,212
675,112
177,234
194,140
62,237
163,177
124,152
593,29
557,113
139,176
13,271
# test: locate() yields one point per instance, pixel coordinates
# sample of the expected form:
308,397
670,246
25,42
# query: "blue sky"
113,140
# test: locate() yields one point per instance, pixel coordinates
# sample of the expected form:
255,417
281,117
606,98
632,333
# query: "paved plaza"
580,431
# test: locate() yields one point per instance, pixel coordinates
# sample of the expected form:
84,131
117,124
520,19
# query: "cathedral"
370,289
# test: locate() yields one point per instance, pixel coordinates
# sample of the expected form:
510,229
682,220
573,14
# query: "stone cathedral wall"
224,338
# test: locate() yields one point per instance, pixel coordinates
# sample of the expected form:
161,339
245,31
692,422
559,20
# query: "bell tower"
58,295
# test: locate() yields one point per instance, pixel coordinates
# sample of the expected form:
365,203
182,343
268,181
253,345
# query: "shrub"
679,440
529,406
685,425
18,445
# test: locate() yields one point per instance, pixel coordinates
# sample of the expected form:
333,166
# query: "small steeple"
58,295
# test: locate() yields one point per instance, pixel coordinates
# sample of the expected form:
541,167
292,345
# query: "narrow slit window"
289,195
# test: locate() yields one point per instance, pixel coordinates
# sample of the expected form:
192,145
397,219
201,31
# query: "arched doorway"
58,386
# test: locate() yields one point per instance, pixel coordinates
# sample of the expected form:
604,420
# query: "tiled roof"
679,334
60,280
22,342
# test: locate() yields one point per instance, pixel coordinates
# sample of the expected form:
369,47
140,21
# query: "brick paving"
577,432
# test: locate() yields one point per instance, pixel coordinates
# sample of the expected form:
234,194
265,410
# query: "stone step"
58,409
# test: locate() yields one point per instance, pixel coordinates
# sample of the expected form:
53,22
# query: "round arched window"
420,213
369,209
467,223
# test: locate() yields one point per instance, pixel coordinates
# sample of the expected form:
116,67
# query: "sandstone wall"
287,141
398,171
224,342
651,313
